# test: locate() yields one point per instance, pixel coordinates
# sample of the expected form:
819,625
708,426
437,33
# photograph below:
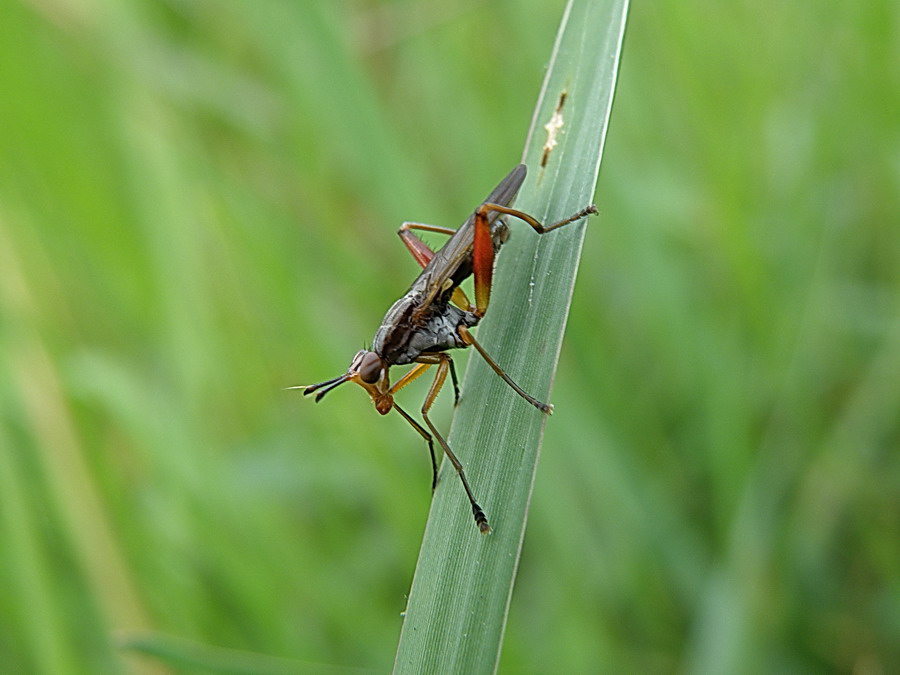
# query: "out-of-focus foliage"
197,208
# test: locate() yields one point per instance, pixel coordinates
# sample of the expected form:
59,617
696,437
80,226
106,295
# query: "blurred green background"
198,206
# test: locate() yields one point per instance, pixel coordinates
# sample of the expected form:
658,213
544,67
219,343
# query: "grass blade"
463,582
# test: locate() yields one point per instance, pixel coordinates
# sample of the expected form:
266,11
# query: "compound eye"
370,368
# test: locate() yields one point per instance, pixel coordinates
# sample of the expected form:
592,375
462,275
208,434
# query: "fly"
435,315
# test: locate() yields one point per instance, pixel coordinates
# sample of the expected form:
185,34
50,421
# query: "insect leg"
468,338
531,220
423,253
424,434
436,359
419,249
483,245
455,381
410,376
482,259
477,512
417,371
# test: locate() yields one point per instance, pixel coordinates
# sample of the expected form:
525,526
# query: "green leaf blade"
463,583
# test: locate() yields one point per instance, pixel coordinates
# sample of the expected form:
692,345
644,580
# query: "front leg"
425,360
424,434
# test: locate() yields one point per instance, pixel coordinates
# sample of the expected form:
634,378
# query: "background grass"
198,203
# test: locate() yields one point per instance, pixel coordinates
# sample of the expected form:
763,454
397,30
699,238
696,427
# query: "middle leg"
443,366
468,338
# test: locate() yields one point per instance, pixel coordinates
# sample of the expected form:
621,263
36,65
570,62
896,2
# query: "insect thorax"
400,339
